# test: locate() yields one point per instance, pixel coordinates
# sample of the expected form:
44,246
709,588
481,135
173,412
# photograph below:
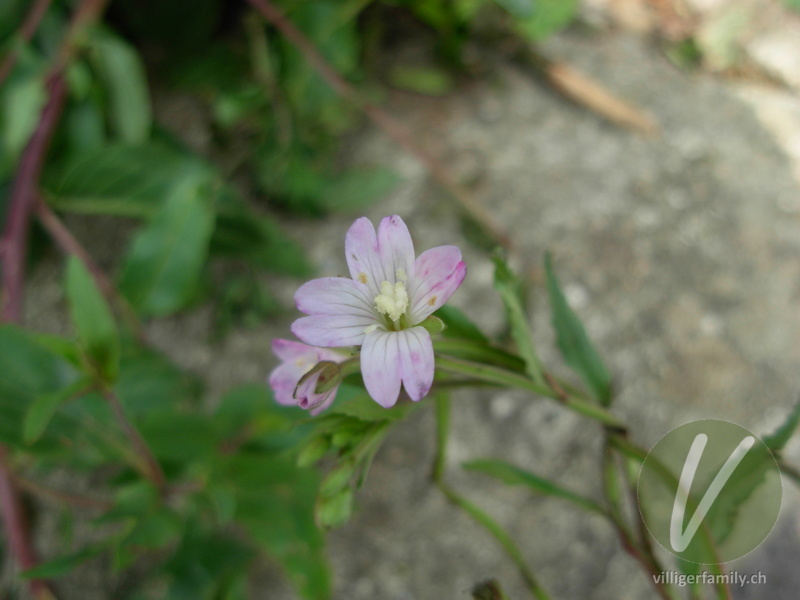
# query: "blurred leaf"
458,325
121,180
182,437
354,401
511,475
275,505
93,321
508,286
575,346
44,407
421,80
549,17
22,103
335,510
122,71
521,9
357,189
61,565
162,270
155,530
781,436
85,127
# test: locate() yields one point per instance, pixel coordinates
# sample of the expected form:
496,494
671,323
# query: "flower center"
392,301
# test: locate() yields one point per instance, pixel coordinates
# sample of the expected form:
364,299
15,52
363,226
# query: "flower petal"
331,331
416,361
380,367
288,350
363,259
283,380
335,296
438,273
396,248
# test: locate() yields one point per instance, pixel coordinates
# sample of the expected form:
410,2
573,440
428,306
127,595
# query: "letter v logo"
679,538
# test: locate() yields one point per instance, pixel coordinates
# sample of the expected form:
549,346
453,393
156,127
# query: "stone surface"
677,251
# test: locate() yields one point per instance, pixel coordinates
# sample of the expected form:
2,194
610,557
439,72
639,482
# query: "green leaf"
458,325
512,475
421,80
779,438
508,285
335,510
354,401
521,9
120,180
357,189
44,407
93,321
122,72
549,17
575,346
162,270
61,565
21,104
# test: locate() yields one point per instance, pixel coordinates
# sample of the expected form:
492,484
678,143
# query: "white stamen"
393,299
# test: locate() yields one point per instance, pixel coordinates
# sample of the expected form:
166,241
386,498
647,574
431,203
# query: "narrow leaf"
93,321
458,325
123,73
512,475
508,285
575,346
162,270
61,565
779,438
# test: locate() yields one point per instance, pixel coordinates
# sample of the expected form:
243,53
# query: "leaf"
122,71
44,407
575,346
549,17
92,318
421,80
22,102
354,401
458,325
120,180
512,475
61,565
521,9
357,189
162,270
508,285
780,437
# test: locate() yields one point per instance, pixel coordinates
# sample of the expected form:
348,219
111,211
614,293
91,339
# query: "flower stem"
478,515
150,465
512,379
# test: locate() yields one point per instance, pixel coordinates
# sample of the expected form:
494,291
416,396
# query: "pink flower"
298,359
380,309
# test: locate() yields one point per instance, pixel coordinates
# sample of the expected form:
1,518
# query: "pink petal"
380,367
395,247
288,350
283,380
416,361
363,259
439,271
334,296
331,331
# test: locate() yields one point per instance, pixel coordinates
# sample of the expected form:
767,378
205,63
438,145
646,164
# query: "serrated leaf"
44,407
508,286
93,321
458,325
575,346
61,565
512,475
781,436
162,270
122,72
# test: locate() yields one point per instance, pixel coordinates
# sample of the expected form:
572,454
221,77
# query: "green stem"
480,517
511,379
471,350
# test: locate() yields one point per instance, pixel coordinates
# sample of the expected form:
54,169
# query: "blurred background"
205,158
